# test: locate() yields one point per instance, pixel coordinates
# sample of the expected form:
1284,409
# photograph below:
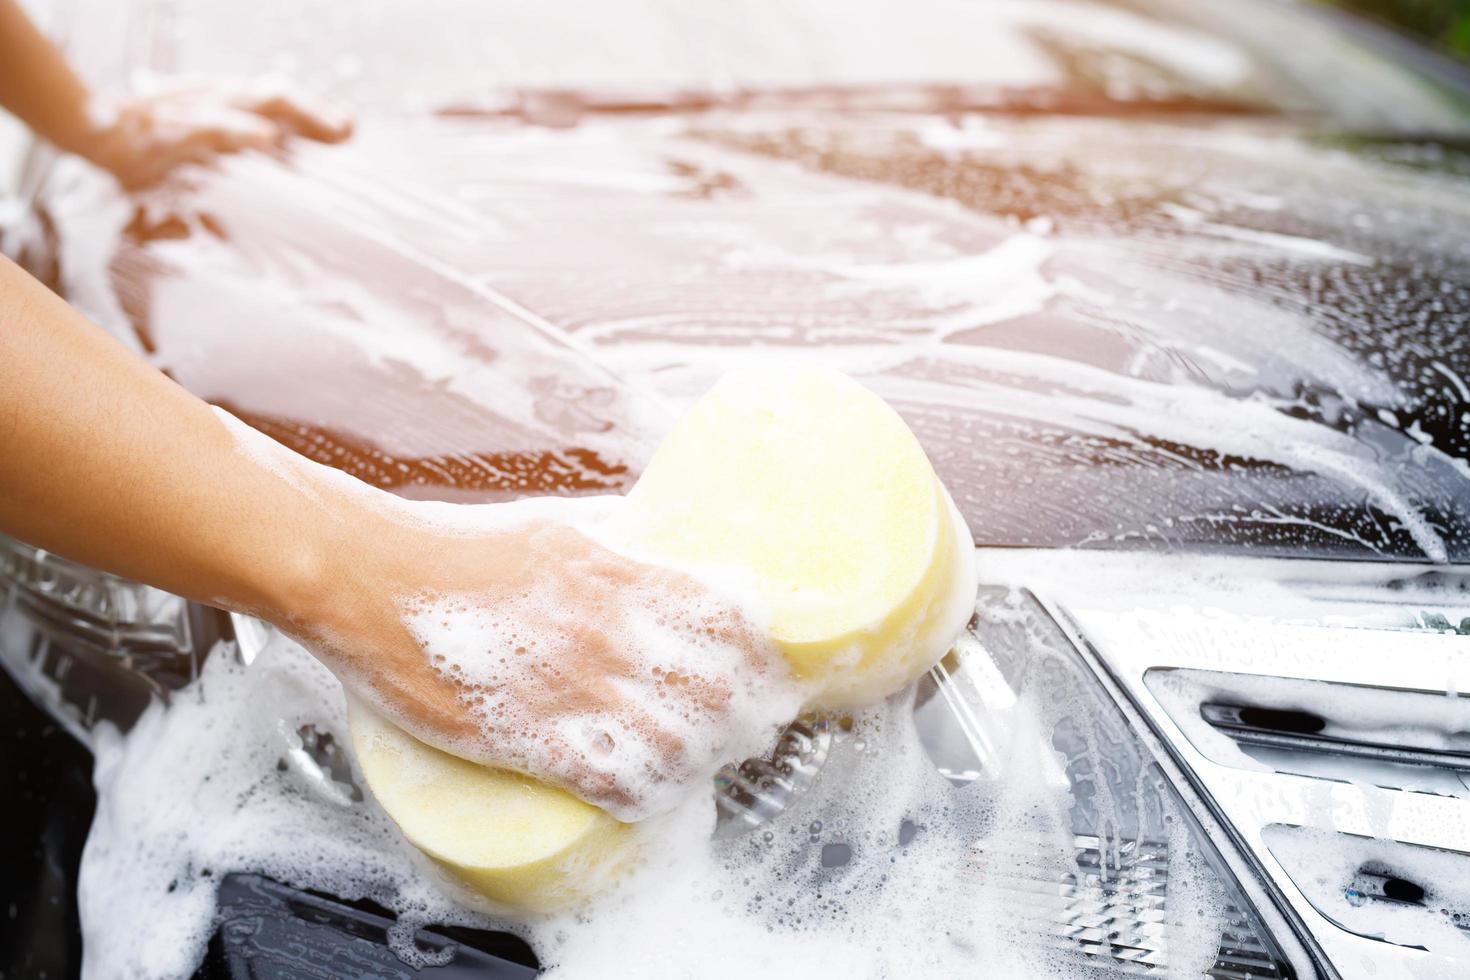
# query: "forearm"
36,84
105,460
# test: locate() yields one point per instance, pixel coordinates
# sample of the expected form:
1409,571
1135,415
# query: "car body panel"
1152,333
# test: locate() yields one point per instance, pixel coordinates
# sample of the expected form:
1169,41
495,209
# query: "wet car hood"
1163,332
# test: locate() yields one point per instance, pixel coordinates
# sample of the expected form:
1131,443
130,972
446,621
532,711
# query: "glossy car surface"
1131,284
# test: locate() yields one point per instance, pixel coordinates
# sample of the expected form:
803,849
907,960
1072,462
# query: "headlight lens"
91,646
1137,865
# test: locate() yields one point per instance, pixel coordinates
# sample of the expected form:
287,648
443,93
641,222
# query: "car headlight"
93,647
1141,855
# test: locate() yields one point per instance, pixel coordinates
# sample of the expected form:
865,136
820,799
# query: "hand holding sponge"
816,490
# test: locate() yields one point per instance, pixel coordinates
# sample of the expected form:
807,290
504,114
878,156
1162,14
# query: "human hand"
532,647
141,139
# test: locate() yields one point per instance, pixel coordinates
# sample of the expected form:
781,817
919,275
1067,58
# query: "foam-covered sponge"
513,839
814,488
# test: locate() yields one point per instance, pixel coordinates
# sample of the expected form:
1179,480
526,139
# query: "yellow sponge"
513,839
815,489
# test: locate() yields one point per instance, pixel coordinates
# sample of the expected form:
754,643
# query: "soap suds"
1342,876
881,868
843,884
205,787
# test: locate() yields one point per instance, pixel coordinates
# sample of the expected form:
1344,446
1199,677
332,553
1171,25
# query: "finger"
233,131
314,120
143,170
202,151
710,695
646,732
600,789
567,769
590,651
559,695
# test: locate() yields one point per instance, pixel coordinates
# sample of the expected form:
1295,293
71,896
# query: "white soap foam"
882,869
885,869
196,791
205,787
829,890
1331,867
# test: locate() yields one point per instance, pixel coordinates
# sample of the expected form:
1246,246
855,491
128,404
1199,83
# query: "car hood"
1162,331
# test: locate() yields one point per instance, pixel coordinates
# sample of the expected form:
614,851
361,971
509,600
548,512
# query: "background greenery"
1444,23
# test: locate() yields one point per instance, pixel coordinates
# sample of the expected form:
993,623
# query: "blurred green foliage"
1444,23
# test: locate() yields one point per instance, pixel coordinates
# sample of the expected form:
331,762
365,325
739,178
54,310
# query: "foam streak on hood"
1190,340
